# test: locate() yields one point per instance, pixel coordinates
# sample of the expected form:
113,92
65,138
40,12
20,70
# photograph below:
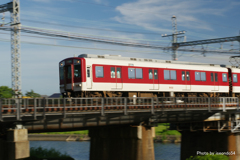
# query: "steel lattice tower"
14,8
15,47
174,37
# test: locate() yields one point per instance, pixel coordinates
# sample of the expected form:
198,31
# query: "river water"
79,150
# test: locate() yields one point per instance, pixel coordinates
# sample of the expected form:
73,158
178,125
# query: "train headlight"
76,61
62,64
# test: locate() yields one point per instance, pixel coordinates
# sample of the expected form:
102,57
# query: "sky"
135,21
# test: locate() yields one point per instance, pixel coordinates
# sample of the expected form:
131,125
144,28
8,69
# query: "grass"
83,132
161,129
209,157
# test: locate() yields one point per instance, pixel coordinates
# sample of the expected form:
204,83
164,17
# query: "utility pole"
174,36
14,8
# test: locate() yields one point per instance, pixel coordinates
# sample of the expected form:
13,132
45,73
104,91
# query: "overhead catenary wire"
65,39
104,49
107,41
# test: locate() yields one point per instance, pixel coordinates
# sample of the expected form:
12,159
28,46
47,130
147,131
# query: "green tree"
32,94
6,92
209,157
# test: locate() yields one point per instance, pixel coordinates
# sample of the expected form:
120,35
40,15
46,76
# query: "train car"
115,76
235,82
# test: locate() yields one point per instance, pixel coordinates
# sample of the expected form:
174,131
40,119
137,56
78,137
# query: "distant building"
44,96
55,95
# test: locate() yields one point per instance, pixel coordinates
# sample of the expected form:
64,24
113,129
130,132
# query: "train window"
183,75
224,77
188,76
200,76
139,74
61,73
155,74
131,73
235,78
170,75
112,72
77,71
216,77
69,72
150,74
99,71
212,77
173,75
166,75
203,76
88,72
118,72
197,76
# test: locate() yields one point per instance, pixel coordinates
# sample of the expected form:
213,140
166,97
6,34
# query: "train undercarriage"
146,94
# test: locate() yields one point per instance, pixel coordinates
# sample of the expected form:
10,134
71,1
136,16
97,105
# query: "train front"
71,71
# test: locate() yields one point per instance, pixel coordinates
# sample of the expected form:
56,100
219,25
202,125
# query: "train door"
89,77
153,75
186,79
116,74
68,79
214,79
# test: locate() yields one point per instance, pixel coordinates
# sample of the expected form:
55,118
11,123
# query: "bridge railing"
116,104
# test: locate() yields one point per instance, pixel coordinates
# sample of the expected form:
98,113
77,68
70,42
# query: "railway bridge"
123,127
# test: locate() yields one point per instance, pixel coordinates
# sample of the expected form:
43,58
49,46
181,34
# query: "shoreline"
82,137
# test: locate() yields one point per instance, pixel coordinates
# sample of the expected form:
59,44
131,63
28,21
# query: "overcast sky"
141,21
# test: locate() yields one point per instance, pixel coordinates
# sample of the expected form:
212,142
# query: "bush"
209,157
49,154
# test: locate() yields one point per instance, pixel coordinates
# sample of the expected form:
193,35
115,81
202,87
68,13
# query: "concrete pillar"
122,142
194,143
15,145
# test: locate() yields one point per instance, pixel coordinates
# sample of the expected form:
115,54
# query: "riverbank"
58,137
84,137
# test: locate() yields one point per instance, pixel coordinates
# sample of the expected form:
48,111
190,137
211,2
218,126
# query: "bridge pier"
198,143
14,145
122,142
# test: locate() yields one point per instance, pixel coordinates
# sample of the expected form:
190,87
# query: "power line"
64,39
66,46
89,28
108,41
89,48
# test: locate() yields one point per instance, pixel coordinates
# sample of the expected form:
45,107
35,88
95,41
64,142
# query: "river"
79,150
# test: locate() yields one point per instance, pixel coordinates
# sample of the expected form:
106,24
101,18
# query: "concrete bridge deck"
49,114
127,120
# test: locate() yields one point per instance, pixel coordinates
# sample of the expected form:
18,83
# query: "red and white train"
115,76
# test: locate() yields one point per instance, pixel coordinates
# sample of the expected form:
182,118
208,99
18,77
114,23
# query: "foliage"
164,137
209,157
32,94
84,132
6,92
162,129
40,153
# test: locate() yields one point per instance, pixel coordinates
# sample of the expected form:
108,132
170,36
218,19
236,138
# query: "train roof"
119,57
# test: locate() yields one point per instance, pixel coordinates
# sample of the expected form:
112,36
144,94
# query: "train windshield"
69,72
77,70
61,73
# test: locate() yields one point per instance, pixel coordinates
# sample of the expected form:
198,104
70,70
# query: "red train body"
116,76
